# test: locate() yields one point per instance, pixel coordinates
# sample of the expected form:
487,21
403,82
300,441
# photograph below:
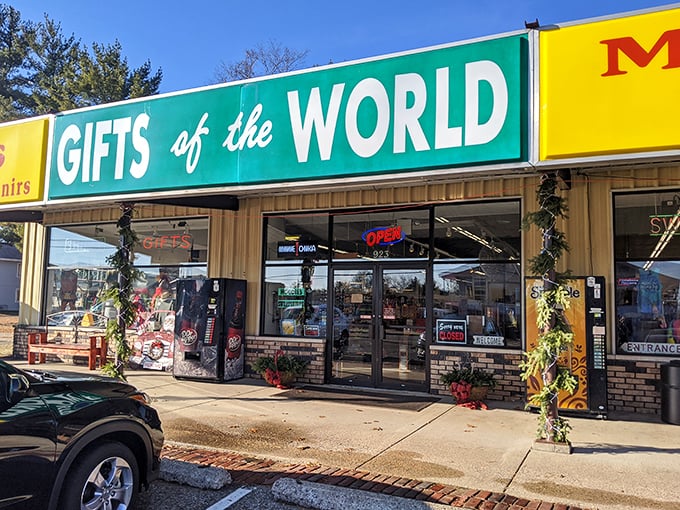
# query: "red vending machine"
587,358
209,329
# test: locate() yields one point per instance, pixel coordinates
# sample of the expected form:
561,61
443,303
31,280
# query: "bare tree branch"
265,59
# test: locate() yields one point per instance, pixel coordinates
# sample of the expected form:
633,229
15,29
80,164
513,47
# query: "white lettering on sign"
191,146
77,152
365,89
475,73
405,118
445,136
409,89
314,120
251,135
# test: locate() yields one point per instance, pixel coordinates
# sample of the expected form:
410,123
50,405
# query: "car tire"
105,475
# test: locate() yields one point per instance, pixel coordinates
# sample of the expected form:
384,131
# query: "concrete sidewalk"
442,453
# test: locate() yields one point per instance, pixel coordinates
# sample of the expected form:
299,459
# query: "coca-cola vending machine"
209,329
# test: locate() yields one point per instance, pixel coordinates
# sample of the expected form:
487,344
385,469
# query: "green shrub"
473,376
280,362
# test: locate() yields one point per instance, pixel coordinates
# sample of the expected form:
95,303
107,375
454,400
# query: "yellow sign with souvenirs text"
575,359
23,152
610,87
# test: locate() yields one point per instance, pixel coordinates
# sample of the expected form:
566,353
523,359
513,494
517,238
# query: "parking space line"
229,500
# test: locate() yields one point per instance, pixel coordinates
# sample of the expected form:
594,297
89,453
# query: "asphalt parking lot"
163,495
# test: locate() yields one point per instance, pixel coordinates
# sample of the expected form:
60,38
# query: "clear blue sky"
188,39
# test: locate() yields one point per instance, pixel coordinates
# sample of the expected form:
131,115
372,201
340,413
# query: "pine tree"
44,71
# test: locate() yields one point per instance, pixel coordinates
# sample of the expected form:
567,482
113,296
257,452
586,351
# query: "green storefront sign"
452,106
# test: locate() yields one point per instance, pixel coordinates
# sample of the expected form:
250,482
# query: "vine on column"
121,294
555,335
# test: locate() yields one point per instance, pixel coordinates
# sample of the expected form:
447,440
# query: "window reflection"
647,272
79,274
483,230
296,305
382,235
482,301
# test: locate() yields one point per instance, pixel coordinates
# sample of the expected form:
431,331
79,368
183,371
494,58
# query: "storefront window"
478,231
296,299
78,273
403,234
477,304
647,272
296,237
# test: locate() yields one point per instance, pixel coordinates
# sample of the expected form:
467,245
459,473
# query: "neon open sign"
383,236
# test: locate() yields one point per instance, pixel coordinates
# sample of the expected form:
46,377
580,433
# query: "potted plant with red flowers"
280,370
468,384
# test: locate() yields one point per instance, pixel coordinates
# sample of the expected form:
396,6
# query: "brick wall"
634,386
21,332
504,365
307,349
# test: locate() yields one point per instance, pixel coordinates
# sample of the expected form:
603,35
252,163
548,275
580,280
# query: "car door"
27,444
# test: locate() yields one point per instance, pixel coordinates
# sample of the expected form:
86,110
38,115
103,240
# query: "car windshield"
11,369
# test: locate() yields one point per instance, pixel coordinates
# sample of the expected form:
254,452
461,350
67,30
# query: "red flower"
272,377
461,391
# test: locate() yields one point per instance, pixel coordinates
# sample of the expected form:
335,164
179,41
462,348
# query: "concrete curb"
194,475
328,497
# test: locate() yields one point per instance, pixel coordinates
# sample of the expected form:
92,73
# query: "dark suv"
69,441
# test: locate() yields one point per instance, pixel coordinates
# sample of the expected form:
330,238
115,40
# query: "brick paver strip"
401,491
356,484
250,470
498,506
346,481
390,489
411,494
446,500
424,496
474,502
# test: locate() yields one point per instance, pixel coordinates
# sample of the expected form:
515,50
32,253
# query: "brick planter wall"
504,364
310,350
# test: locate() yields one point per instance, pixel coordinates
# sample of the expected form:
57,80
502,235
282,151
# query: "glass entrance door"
379,315
402,363
353,352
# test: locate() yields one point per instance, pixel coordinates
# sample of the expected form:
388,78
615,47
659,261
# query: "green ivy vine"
121,294
555,335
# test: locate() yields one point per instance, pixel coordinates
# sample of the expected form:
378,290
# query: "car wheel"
104,477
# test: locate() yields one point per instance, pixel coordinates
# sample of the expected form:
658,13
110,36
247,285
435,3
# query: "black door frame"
377,267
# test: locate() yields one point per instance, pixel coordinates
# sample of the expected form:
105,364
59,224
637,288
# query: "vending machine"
209,329
587,357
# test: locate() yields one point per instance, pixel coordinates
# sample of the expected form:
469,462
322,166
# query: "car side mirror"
18,385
